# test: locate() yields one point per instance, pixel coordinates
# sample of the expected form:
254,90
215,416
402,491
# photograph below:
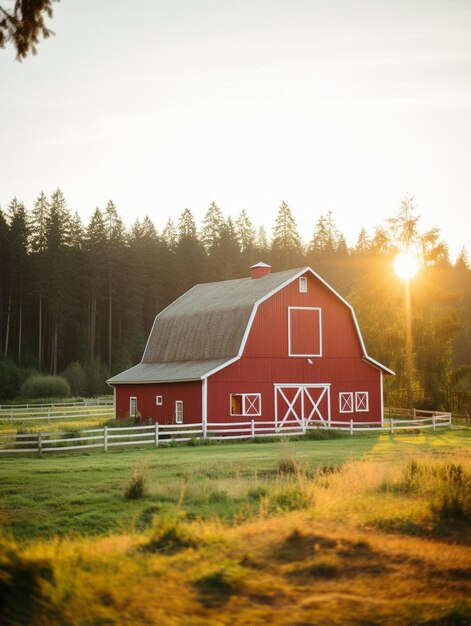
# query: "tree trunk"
20,330
110,321
92,326
40,338
7,333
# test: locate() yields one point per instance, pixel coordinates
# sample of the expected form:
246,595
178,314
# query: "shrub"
215,589
257,493
288,466
77,378
24,587
453,505
136,487
171,534
290,497
45,387
322,434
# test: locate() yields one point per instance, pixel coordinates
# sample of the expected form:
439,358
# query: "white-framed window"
304,331
179,411
248,404
133,406
361,401
346,402
303,284
159,400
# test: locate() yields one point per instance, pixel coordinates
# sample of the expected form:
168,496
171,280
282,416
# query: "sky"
162,105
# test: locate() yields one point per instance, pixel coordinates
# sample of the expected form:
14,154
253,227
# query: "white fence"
48,412
157,434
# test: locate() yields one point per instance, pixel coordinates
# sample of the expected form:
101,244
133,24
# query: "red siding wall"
265,361
189,393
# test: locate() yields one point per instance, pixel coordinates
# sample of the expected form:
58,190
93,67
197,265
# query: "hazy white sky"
327,104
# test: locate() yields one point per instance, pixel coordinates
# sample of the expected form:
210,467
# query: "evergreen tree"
212,226
245,232
17,273
286,244
190,253
38,245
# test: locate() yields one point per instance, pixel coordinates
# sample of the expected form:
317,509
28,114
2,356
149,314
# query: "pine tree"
190,253
95,254
115,238
17,268
286,244
245,232
212,226
38,227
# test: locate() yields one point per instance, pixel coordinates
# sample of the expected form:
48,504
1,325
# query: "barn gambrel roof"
206,328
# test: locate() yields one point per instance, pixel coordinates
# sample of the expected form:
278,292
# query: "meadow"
360,530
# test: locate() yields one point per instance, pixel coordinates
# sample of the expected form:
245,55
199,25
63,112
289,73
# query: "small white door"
302,402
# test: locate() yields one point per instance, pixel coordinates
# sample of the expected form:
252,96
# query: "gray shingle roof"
166,372
209,320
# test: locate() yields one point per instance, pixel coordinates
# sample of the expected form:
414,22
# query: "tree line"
80,299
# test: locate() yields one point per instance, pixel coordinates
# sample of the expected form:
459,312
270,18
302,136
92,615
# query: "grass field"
362,530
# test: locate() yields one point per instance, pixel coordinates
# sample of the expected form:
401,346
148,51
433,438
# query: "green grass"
85,493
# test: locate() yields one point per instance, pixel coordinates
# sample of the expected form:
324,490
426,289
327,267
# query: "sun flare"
406,265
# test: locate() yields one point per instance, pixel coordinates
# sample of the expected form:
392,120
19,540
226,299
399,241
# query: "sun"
406,265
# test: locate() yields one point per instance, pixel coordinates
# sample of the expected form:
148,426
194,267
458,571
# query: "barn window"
133,407
178,411
303,284
346,402
304,331
248,404
361,401
158,400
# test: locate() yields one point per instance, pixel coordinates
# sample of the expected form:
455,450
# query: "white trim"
302,390
131,413
159,400
204,405
367,395
302,271
350,395
244,405
219,367
378,365
178,403
158,315
304,308
302,284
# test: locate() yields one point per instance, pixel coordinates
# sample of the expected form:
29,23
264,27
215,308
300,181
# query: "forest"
79,299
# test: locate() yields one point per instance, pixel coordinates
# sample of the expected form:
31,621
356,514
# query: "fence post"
414,413
49,416
433,421
105,438
253,429
40,443
304,425
351,428
156,426
392,426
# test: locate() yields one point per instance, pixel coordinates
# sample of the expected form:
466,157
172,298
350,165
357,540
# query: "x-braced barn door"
302,403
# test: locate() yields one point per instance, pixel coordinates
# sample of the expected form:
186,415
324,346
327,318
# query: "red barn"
276,346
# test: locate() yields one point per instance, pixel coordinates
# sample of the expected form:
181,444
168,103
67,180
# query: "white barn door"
302,402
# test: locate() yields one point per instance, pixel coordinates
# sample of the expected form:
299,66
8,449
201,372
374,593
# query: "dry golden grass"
288,569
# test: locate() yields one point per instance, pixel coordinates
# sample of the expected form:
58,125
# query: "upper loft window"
304,331
303,284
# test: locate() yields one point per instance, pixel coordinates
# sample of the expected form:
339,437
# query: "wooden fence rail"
157,434
51,412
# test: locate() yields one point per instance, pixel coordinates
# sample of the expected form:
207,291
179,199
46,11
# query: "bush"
11,379
171,534
45,387
77,379
289,466
137,485
24,587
